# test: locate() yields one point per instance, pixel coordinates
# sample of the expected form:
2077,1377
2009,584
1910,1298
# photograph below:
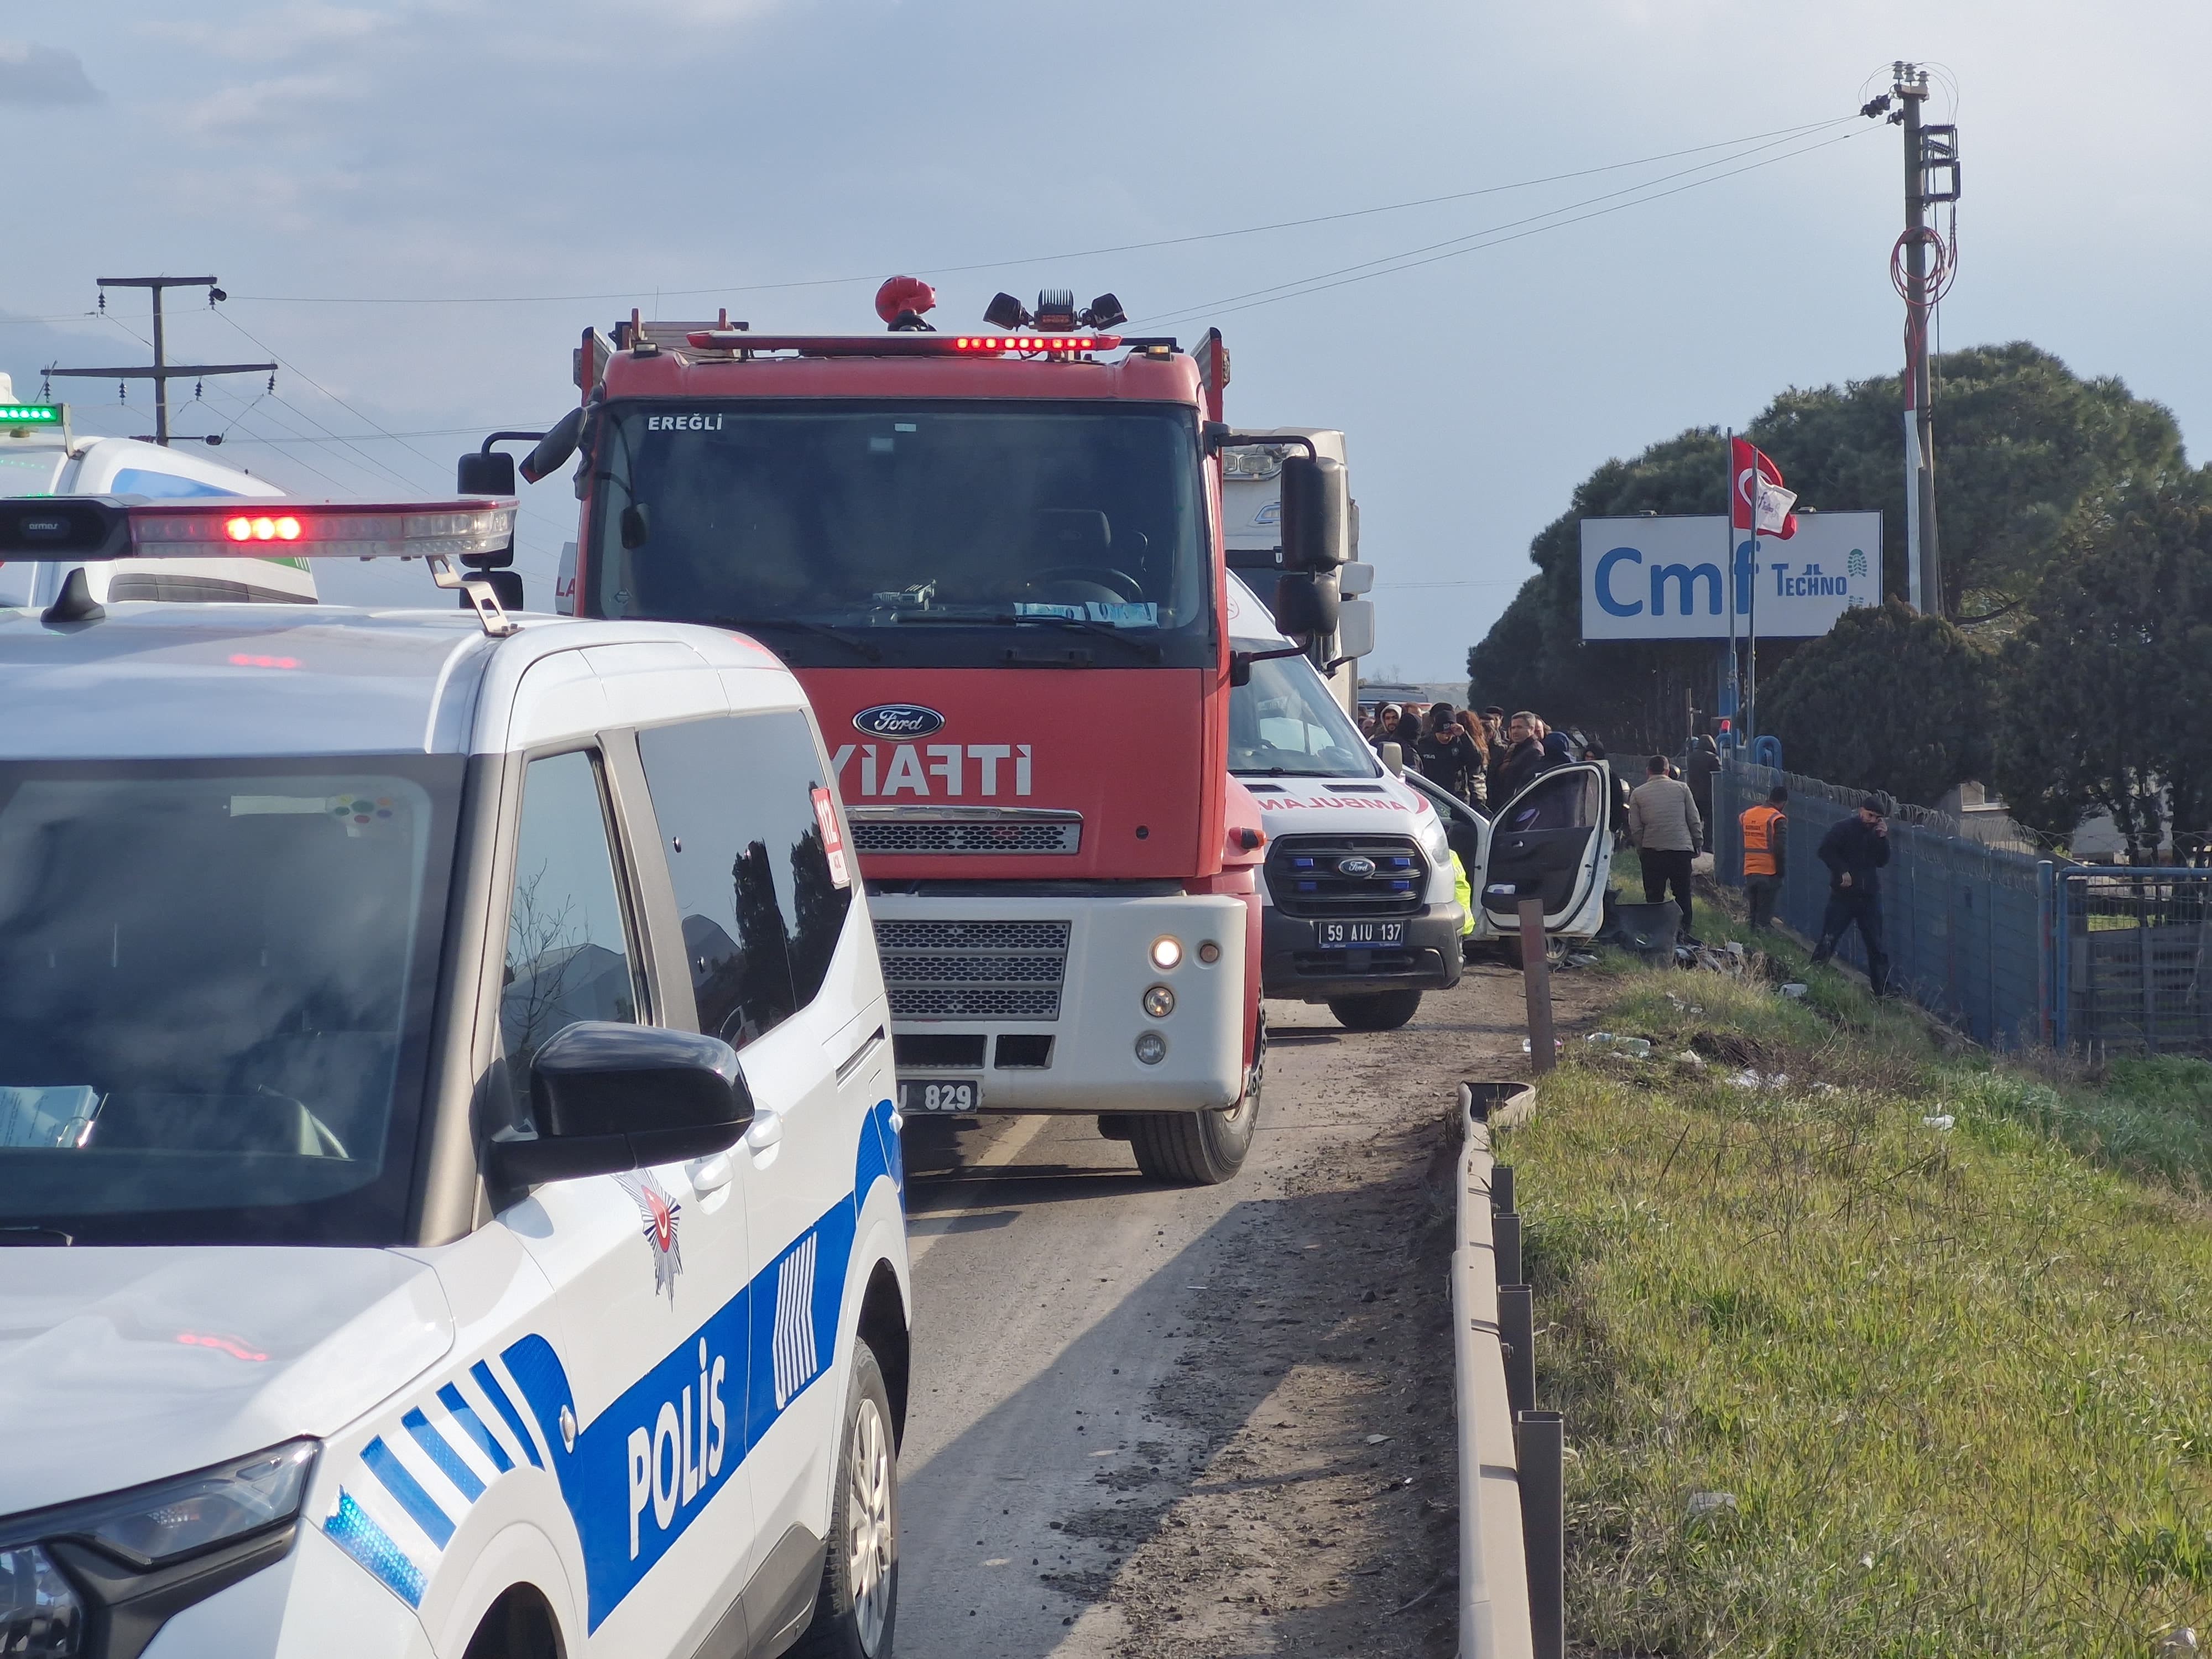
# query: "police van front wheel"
858,1603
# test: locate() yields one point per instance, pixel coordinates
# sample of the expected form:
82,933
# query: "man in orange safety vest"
1765,831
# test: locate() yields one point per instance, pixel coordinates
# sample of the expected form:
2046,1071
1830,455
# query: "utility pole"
1931,153
163,371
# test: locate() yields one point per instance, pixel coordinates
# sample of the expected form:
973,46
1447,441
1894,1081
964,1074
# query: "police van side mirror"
609,1098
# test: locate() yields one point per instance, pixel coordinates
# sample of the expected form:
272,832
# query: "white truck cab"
446,1132
39,456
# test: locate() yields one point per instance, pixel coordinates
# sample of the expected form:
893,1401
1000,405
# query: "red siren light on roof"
902,301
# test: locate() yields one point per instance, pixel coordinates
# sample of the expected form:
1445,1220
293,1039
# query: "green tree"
2024,449
1887,699
2107,686
2021,443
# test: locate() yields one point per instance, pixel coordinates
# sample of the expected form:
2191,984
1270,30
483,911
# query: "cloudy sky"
415,205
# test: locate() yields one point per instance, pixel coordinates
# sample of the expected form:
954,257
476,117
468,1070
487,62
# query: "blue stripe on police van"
505,1408
792,1347
383,1463
441,1452
352,1531
473,1426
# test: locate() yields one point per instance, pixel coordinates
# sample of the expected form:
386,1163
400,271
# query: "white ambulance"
447,1144
1376,879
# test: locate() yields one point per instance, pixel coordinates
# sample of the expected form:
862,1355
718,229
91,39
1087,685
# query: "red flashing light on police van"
242,529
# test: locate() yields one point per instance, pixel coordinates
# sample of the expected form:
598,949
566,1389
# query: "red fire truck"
995,560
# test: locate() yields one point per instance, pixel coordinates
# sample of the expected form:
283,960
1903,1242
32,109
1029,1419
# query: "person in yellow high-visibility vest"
1765,835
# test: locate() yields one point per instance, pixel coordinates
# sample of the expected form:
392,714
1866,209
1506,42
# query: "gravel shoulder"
1210,1422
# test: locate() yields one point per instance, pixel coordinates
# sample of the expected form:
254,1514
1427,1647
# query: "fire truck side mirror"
1314,509
1307,603
485,473
555,448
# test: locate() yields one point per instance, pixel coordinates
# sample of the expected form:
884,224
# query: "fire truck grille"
974,969
983,837
1350,875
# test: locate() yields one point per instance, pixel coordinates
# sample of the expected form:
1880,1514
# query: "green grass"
1958,1383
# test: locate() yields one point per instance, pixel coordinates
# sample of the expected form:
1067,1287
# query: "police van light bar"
108,527
30,415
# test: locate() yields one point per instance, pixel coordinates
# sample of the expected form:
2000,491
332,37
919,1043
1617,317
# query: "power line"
1777,134
1392,264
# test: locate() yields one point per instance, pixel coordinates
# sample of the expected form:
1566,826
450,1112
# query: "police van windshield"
1284,723
848,532
217,981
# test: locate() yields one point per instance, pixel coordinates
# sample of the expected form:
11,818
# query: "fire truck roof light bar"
914,345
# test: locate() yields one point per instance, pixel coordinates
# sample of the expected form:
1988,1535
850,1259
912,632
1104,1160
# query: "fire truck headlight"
1159,1002
1167,951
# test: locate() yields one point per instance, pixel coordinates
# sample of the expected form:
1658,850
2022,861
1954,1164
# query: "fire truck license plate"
1342,934
941,1095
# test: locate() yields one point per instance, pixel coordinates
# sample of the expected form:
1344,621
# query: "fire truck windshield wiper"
819,630
1002,618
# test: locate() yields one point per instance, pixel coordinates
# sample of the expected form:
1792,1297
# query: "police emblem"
659,1213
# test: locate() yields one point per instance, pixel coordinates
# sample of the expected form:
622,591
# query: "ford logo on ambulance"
1357,869
898,719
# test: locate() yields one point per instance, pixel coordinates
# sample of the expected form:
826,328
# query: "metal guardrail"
2012,948
1493,1574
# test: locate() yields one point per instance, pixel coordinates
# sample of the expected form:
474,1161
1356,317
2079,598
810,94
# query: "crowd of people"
1486,758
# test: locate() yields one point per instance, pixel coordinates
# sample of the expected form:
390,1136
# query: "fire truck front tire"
1378,1010
1193,1149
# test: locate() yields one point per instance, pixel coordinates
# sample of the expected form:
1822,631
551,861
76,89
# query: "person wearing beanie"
1855,851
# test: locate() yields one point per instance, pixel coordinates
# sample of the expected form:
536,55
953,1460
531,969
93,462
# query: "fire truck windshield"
923,532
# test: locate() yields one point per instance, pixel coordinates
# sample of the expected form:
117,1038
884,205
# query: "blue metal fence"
1969,927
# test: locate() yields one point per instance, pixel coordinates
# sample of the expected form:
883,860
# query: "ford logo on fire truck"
1356,869
898,719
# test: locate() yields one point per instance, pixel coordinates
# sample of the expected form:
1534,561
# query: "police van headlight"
41,1612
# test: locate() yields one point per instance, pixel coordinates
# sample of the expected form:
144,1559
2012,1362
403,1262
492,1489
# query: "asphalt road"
1206,1420
1047,1278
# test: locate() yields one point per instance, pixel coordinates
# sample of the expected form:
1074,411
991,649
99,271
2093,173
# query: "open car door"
1550,840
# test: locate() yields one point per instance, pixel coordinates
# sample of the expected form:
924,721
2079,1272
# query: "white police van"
446,1132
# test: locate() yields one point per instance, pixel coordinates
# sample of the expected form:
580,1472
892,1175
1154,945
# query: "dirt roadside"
1324,1520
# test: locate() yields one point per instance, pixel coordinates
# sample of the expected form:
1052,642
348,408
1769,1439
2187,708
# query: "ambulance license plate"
941,1095
1345,935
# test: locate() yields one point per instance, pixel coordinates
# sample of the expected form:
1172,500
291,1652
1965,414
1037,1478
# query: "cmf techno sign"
1661,579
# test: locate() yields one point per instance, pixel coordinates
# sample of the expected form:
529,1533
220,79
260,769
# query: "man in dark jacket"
1704,761
1855,851
1447,755
1524,759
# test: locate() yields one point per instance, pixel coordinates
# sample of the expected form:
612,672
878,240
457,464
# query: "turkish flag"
1758,495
